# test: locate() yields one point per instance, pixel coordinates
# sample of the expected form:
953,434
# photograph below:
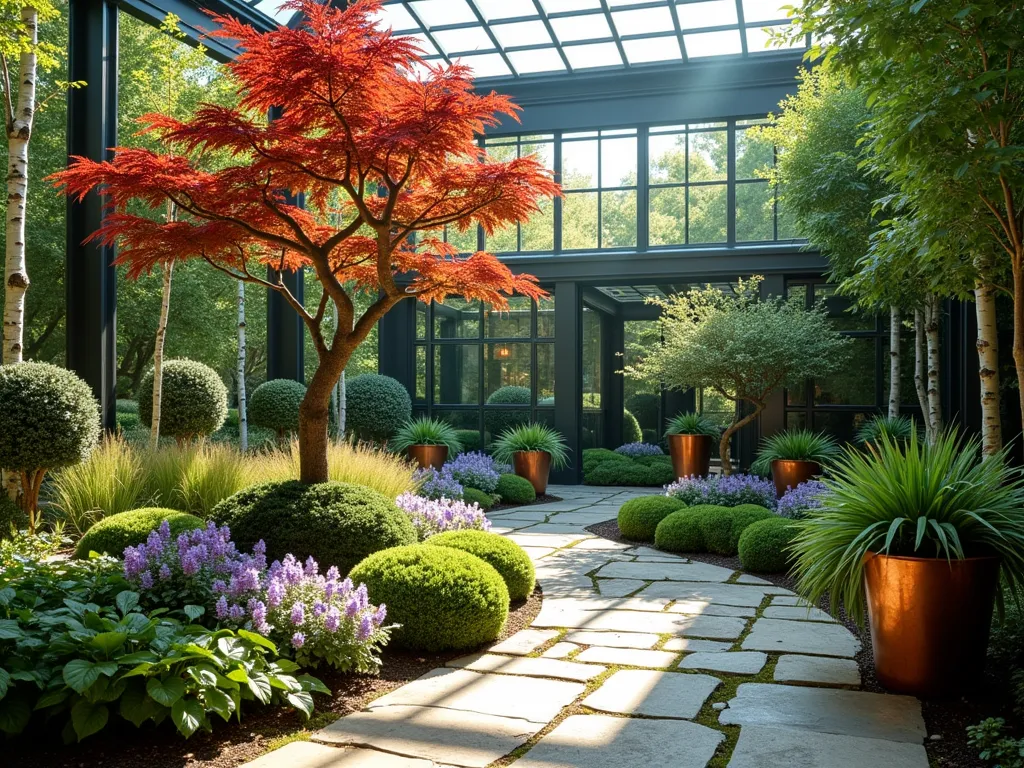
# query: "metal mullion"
743,26
673,7
643,189
556,242
554,38
491,35
615,34
730,178
478,52
686,186
600,157
426,30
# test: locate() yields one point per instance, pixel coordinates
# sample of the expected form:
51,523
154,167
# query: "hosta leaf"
257,639
133,703
79,674
259,684
15,713
88,718
6,595
165,691
194,611
5,681
51,698
231,648
108,642
302,701
285,666
126,601
188,715
313,684
219,702
203,674
9,630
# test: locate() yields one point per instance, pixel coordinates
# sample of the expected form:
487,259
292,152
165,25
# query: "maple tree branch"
340,236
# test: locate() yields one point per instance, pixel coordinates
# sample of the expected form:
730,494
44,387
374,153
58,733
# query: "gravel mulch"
232,744
946,718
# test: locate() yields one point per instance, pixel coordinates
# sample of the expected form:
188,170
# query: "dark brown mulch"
232,744
545,499
946,718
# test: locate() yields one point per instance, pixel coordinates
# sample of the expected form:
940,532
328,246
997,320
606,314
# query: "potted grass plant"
532,449
427,441
689,438
793,457
897,428
918,534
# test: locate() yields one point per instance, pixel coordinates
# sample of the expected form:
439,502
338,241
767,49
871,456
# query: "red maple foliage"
382,146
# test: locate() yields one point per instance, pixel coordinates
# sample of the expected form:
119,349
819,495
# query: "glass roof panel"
593,55
722,43
434,13
506,9
462,40
273,9
540,60
522,33
650,49
486,65
643,21
563,6
396,17
764,10
594,26
713,13
759,39
424,44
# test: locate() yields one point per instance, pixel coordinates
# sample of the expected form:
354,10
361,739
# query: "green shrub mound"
475,495
682,531
506,557
497,420
469,439
336,523
592,457
129,529
638,518
12,517
514,489
48,417
275,405
646,407
376,406
723,526
764,545
123,405
194,400
631,432
630,472
441,596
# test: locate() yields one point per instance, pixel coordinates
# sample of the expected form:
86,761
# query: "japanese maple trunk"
988,368
724,451
895,322
315,412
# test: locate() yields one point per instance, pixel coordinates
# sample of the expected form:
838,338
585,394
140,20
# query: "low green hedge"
129,529
506,557
764,545
627,471
514,489
723,526
442,597
471,495
682,531
638,518
594,456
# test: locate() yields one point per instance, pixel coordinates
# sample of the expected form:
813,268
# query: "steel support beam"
569,376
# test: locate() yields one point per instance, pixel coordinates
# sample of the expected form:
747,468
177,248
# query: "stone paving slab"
600,544
760,747
667,571
703,607
519,513
602,603
735,663
797,613
789,600
613,639
694,645
464,739
525,698
524,642
556,527
806,637
537,553
651,693
826,710
722,594
532,667
618,587
711,627
601,741
559,650
817,670
526,539
627,657
307,754
746,578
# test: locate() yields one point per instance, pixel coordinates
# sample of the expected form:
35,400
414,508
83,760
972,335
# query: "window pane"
579,164
545,374
456,374
538,234
466,241
618,219
504,240
787,226
457,319
421,374
546,317
545,152
755,219
511,323
752,155
854,383
591,359
842,425
461,419
618,162
667,222
796,420
709,155
579,221
503,152
667,158
421,320
506,365
708,209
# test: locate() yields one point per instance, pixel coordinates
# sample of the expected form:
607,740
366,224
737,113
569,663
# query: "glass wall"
642,399
593,381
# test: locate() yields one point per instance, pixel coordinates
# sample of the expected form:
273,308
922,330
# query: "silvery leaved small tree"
740,347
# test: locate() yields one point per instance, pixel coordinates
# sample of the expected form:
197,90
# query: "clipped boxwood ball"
48,417
476,496
443,597
335,523
629,472
682,531
764,545
594,456
499,420
514,489
194,400
376,406
638,518
129,529
723,526
631,432
275,405
506,557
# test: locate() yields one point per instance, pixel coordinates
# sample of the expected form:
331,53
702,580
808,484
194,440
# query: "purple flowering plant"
807,496
432,516
475,470
639,449
436,484
723,490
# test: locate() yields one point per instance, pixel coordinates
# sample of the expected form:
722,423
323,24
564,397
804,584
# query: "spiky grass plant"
897,428
426,431
692,424
795,445
215,472
532,437
913,499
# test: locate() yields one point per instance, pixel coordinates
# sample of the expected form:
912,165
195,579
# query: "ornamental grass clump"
798,502
639,449
432,516
895,427
693,424
476,470
425,431
795,445
939,500
529,438
723,491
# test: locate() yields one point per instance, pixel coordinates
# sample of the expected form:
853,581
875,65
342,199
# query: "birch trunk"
243,418
988,368
933,313
158,356
920,365
19,130
895,321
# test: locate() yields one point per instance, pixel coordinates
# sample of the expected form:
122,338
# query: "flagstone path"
637,658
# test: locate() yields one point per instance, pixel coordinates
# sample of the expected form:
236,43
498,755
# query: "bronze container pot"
428,455
691,455
535,466
930,620
789,474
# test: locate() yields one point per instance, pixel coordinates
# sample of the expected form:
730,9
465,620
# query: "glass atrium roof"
517,38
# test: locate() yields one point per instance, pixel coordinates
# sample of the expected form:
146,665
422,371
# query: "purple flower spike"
298,614
298,640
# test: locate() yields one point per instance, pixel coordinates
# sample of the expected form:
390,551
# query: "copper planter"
691,455
789,474
535,466
930,620
428,455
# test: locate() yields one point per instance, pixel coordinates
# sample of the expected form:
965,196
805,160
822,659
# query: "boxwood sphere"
376,406
275,405
506,557
498,421
129,529
764,545
682,531
335,523
48,417
475,495
443,597
629,472
722,527
638,518
631,432
514,489
194,400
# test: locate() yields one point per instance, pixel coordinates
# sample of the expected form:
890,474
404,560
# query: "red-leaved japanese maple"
385,158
